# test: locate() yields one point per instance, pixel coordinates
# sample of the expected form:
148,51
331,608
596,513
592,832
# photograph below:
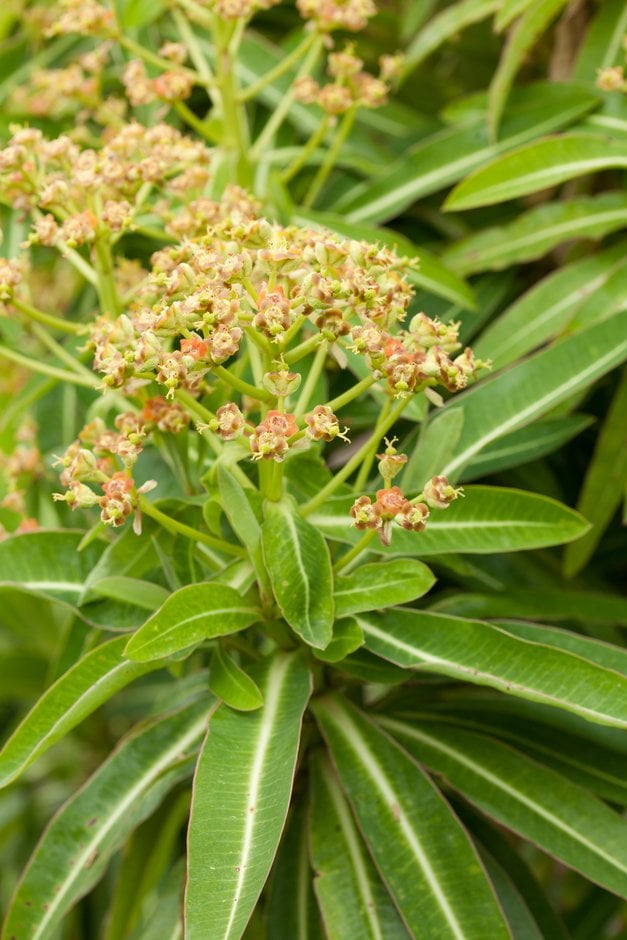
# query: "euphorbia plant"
266,442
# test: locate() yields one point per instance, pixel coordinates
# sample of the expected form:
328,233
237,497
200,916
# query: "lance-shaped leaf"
229,682
143,594
549,306
299,565
604,483
516,397
353,899
194,613
602,44
536,232
241,796
540,604
48,562
489,519
243,520
536,166
383,584
484,654
292,909
79,692
539,804
435,447
78,843
449,22
595,651
347,637
430,865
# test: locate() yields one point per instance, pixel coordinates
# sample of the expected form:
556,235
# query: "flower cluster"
328,15
18,472
169,86
351,86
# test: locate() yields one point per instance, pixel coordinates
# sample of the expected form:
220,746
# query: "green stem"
48,319
107,290
286,63
235,120
187,115
274,482
179,528
195,52
35,366
345,560
279,113
314,373
305,152
303,349
382,427
364,470
260,394
44,337
329,162
336,403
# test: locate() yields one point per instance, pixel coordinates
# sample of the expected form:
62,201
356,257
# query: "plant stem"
195,52
356,550
382,426
314,373
286,63
281,111
364,470
48,319
241,386
235,120
187,115
306,151
106,287
346,397
35,366
179,528
329,162
44,337
303,349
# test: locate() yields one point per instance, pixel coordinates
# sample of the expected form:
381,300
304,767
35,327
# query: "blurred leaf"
489,519
230,683
538,439
194,613
78,693
430,867
48,562
601,47
133,14
299,565
447,24
480,653
80,840
143,594
241,795
601,492
547,307
536,232
540,603
537,166
530,799
353,899
382,584
516,397
449,155
510,10
533,22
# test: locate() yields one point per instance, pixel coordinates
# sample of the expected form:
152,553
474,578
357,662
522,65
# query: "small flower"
438,492
229,422
390,463
413,516
366,514
323,425
119,499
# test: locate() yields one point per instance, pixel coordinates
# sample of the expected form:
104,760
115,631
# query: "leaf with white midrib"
562,818
430,866
240,800
483,654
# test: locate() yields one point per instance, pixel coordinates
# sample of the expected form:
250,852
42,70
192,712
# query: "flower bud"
281,383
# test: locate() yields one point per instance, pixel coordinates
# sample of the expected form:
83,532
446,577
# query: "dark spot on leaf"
28,903
93,821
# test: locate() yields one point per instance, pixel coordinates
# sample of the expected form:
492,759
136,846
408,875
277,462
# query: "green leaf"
241,796
79,692
541,603
347,637
143,594
230,683
445,25
533,22
488,519
243,520
435,447
510,10
536,232
80,840
431,274
194,613
133,14
48,562
602,488
530,799
602,44
382,584
483,654
449,155
547,307
353,900
537,166
299,565
430,865
516,397
595,651
538,439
